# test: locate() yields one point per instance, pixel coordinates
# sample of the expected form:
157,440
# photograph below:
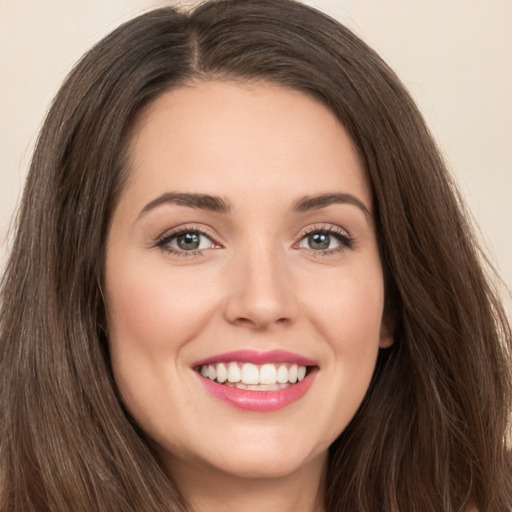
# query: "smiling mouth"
254,377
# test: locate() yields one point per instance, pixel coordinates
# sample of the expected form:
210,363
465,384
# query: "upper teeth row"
249,373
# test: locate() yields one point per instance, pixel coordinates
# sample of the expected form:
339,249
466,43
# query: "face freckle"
244,235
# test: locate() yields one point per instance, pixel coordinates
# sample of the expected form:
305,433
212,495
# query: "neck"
210,490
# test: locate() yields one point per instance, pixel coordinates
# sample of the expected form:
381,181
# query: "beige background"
453,55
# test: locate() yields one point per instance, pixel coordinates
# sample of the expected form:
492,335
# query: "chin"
263,466
261,459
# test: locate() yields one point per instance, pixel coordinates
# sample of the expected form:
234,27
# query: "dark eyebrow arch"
200,201
322,200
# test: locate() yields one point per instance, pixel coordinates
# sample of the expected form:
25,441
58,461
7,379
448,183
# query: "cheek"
151,315
348,314
348,311
150,308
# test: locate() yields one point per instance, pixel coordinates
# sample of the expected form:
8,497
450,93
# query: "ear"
387,331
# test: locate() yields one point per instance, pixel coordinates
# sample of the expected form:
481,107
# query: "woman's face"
243,283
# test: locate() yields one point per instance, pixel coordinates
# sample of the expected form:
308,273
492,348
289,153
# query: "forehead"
213,137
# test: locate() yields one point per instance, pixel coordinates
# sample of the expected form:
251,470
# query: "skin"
256,283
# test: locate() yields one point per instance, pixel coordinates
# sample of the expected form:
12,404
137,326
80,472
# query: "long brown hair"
431,433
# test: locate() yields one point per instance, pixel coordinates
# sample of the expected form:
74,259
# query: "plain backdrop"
454,56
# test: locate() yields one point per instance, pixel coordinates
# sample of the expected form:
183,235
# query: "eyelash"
345,240
164,240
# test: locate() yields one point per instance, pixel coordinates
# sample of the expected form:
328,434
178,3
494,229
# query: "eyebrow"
308,203
219,205
200,201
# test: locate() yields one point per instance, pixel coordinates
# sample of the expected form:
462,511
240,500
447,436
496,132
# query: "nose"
261,291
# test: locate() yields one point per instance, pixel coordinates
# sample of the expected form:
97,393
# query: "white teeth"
266,377
250,374
222,373
264,387
257,387
282,374
268,374
293,373
234,373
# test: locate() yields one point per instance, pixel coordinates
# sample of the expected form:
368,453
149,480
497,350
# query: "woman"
242,279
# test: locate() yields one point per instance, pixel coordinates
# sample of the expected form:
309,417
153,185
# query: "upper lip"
255,357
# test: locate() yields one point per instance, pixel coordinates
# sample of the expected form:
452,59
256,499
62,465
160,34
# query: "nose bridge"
261,289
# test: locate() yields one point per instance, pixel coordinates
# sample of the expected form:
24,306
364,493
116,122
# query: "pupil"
319,241
188,241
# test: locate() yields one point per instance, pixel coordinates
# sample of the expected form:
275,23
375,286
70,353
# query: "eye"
190,241
325,241
186,242
319,241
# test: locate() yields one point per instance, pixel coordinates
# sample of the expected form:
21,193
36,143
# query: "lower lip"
261,401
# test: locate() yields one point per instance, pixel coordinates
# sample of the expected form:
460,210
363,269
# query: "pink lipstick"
257,381
252,356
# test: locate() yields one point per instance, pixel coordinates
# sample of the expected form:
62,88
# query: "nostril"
260,302
260,322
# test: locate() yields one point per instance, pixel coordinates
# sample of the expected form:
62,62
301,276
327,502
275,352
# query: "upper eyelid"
184,228
208,231
330,228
